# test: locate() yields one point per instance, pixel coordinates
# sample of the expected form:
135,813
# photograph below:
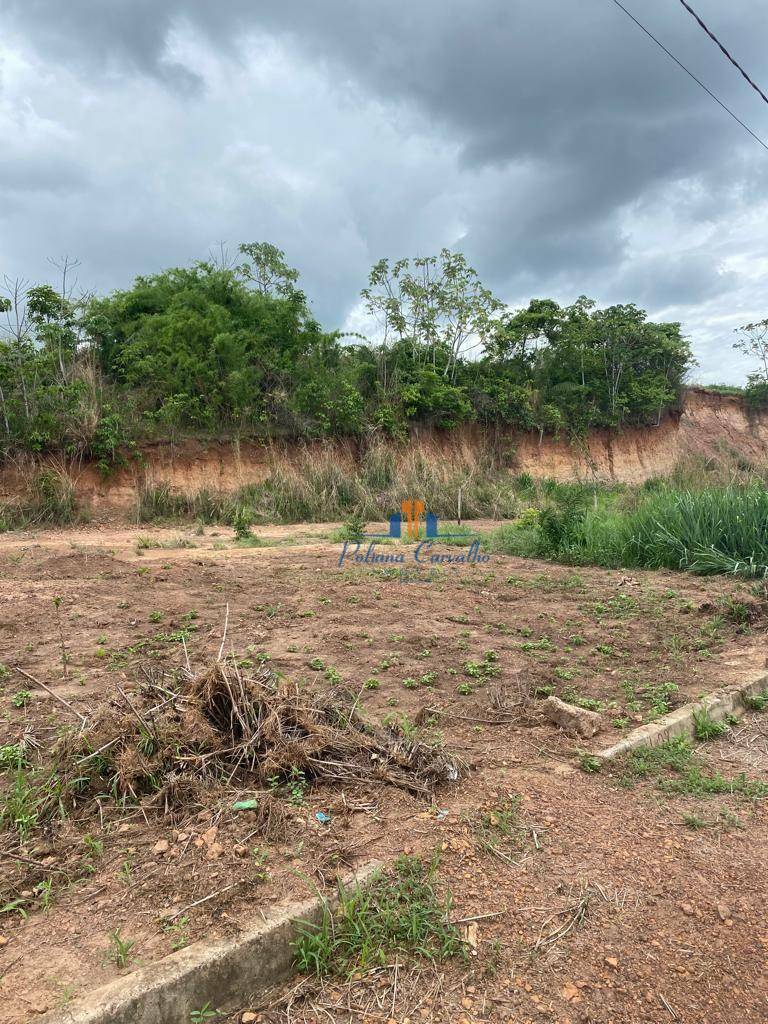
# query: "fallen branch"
466,718
37,682
33,863
205,899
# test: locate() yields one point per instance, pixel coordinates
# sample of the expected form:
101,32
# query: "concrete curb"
680,722
226,973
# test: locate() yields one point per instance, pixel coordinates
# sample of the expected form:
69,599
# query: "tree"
16,342
268,271
754,342
434,303
518,334
198,348
227,347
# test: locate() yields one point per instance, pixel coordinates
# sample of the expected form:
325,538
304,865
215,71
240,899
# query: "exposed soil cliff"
709,425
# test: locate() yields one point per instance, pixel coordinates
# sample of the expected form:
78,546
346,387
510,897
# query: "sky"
549,140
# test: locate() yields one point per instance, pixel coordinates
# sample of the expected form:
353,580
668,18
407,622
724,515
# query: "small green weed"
676,768
203,1014
544,644
94,849
44,892
16,906
125,872
177,930
705,727
397,914
571,695
22,804
352,530
119,950
694,822
401,724
756,701
12,757
501,822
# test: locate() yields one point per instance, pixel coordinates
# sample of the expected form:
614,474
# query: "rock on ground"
575,721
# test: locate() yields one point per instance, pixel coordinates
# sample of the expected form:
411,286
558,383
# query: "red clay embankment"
709,425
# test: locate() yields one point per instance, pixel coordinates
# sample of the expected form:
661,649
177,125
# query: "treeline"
231,348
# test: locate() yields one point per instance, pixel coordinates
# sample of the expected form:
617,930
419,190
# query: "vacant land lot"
632,894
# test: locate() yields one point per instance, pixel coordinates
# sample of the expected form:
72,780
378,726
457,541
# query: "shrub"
241,523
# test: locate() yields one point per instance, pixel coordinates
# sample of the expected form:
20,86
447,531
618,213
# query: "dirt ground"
618,900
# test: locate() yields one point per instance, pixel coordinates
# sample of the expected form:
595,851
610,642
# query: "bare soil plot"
745,748
458,663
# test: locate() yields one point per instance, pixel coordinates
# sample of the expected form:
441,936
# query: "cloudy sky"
549,140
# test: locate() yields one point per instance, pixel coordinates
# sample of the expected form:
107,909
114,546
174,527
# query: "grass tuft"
398,913
705,727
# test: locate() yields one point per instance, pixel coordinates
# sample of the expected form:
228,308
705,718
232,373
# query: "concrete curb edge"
680,722
223,972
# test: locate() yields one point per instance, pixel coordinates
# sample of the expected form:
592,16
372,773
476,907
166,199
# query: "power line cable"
717,42
691,74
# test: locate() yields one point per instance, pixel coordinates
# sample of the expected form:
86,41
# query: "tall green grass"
722,530
158,504
708,531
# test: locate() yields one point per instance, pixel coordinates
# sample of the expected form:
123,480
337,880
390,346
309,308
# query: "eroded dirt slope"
709,425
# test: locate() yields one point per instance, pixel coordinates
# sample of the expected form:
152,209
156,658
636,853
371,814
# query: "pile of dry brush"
240,729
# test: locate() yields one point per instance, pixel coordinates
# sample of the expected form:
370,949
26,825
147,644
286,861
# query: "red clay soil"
671,925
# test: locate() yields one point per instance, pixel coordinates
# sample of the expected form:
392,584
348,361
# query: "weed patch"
399,913
708,530
756,701
705,727
676,768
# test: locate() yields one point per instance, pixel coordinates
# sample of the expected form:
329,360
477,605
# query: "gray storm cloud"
550,141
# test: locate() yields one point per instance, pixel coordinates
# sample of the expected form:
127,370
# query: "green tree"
754,342
436,304
233,349
210,347
267,270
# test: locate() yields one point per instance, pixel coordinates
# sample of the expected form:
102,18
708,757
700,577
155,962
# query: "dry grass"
163,745
330,481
